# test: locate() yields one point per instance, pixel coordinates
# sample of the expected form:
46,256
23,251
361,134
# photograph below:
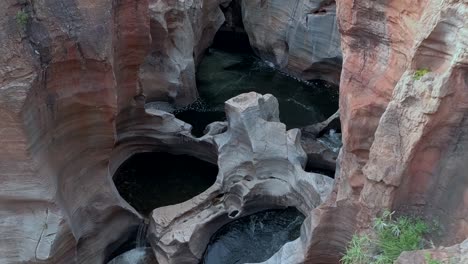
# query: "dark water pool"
151,180
254,238
223,75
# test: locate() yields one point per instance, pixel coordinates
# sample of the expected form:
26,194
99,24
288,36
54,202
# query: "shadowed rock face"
180,31
300,37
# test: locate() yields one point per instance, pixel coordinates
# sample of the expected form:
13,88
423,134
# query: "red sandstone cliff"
404,138
68,81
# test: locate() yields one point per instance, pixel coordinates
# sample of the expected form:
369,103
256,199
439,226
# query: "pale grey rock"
299,37
260,167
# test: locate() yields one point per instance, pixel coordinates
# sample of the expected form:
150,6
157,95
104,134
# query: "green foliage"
403,234
358,251
22,19
418,74
393,236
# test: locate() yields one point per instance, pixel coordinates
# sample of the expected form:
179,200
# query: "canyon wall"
69,68
299,37
404,135
72,109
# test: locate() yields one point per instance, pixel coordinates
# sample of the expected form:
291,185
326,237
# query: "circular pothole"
153,179
254,238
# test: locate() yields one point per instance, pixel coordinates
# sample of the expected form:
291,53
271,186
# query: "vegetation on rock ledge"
393,236
22,19
418,74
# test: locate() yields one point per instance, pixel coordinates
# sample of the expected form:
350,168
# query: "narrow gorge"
233,131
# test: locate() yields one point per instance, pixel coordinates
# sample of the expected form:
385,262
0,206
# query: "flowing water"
253,238
141,240
151,180
223,75
332,140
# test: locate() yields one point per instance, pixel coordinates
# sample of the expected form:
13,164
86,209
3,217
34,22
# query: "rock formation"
260,167
299,37
454,254
181,31
403,136
73,80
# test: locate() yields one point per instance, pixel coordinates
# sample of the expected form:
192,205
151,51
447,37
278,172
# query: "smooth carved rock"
64,77
260,167
298,37
181,31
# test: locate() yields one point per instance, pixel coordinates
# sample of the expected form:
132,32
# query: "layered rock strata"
403,133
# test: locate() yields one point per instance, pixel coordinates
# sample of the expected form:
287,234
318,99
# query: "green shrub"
357,251
418,74
403,234
393,236
22,19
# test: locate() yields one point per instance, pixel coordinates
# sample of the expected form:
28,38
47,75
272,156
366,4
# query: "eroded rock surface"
299,37
181,31
260,167
403,136
454,254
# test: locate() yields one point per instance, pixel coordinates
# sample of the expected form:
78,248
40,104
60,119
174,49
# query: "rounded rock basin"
253,238
151,180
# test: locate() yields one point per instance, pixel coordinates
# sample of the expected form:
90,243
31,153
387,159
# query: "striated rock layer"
299,37
404,137
65,75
